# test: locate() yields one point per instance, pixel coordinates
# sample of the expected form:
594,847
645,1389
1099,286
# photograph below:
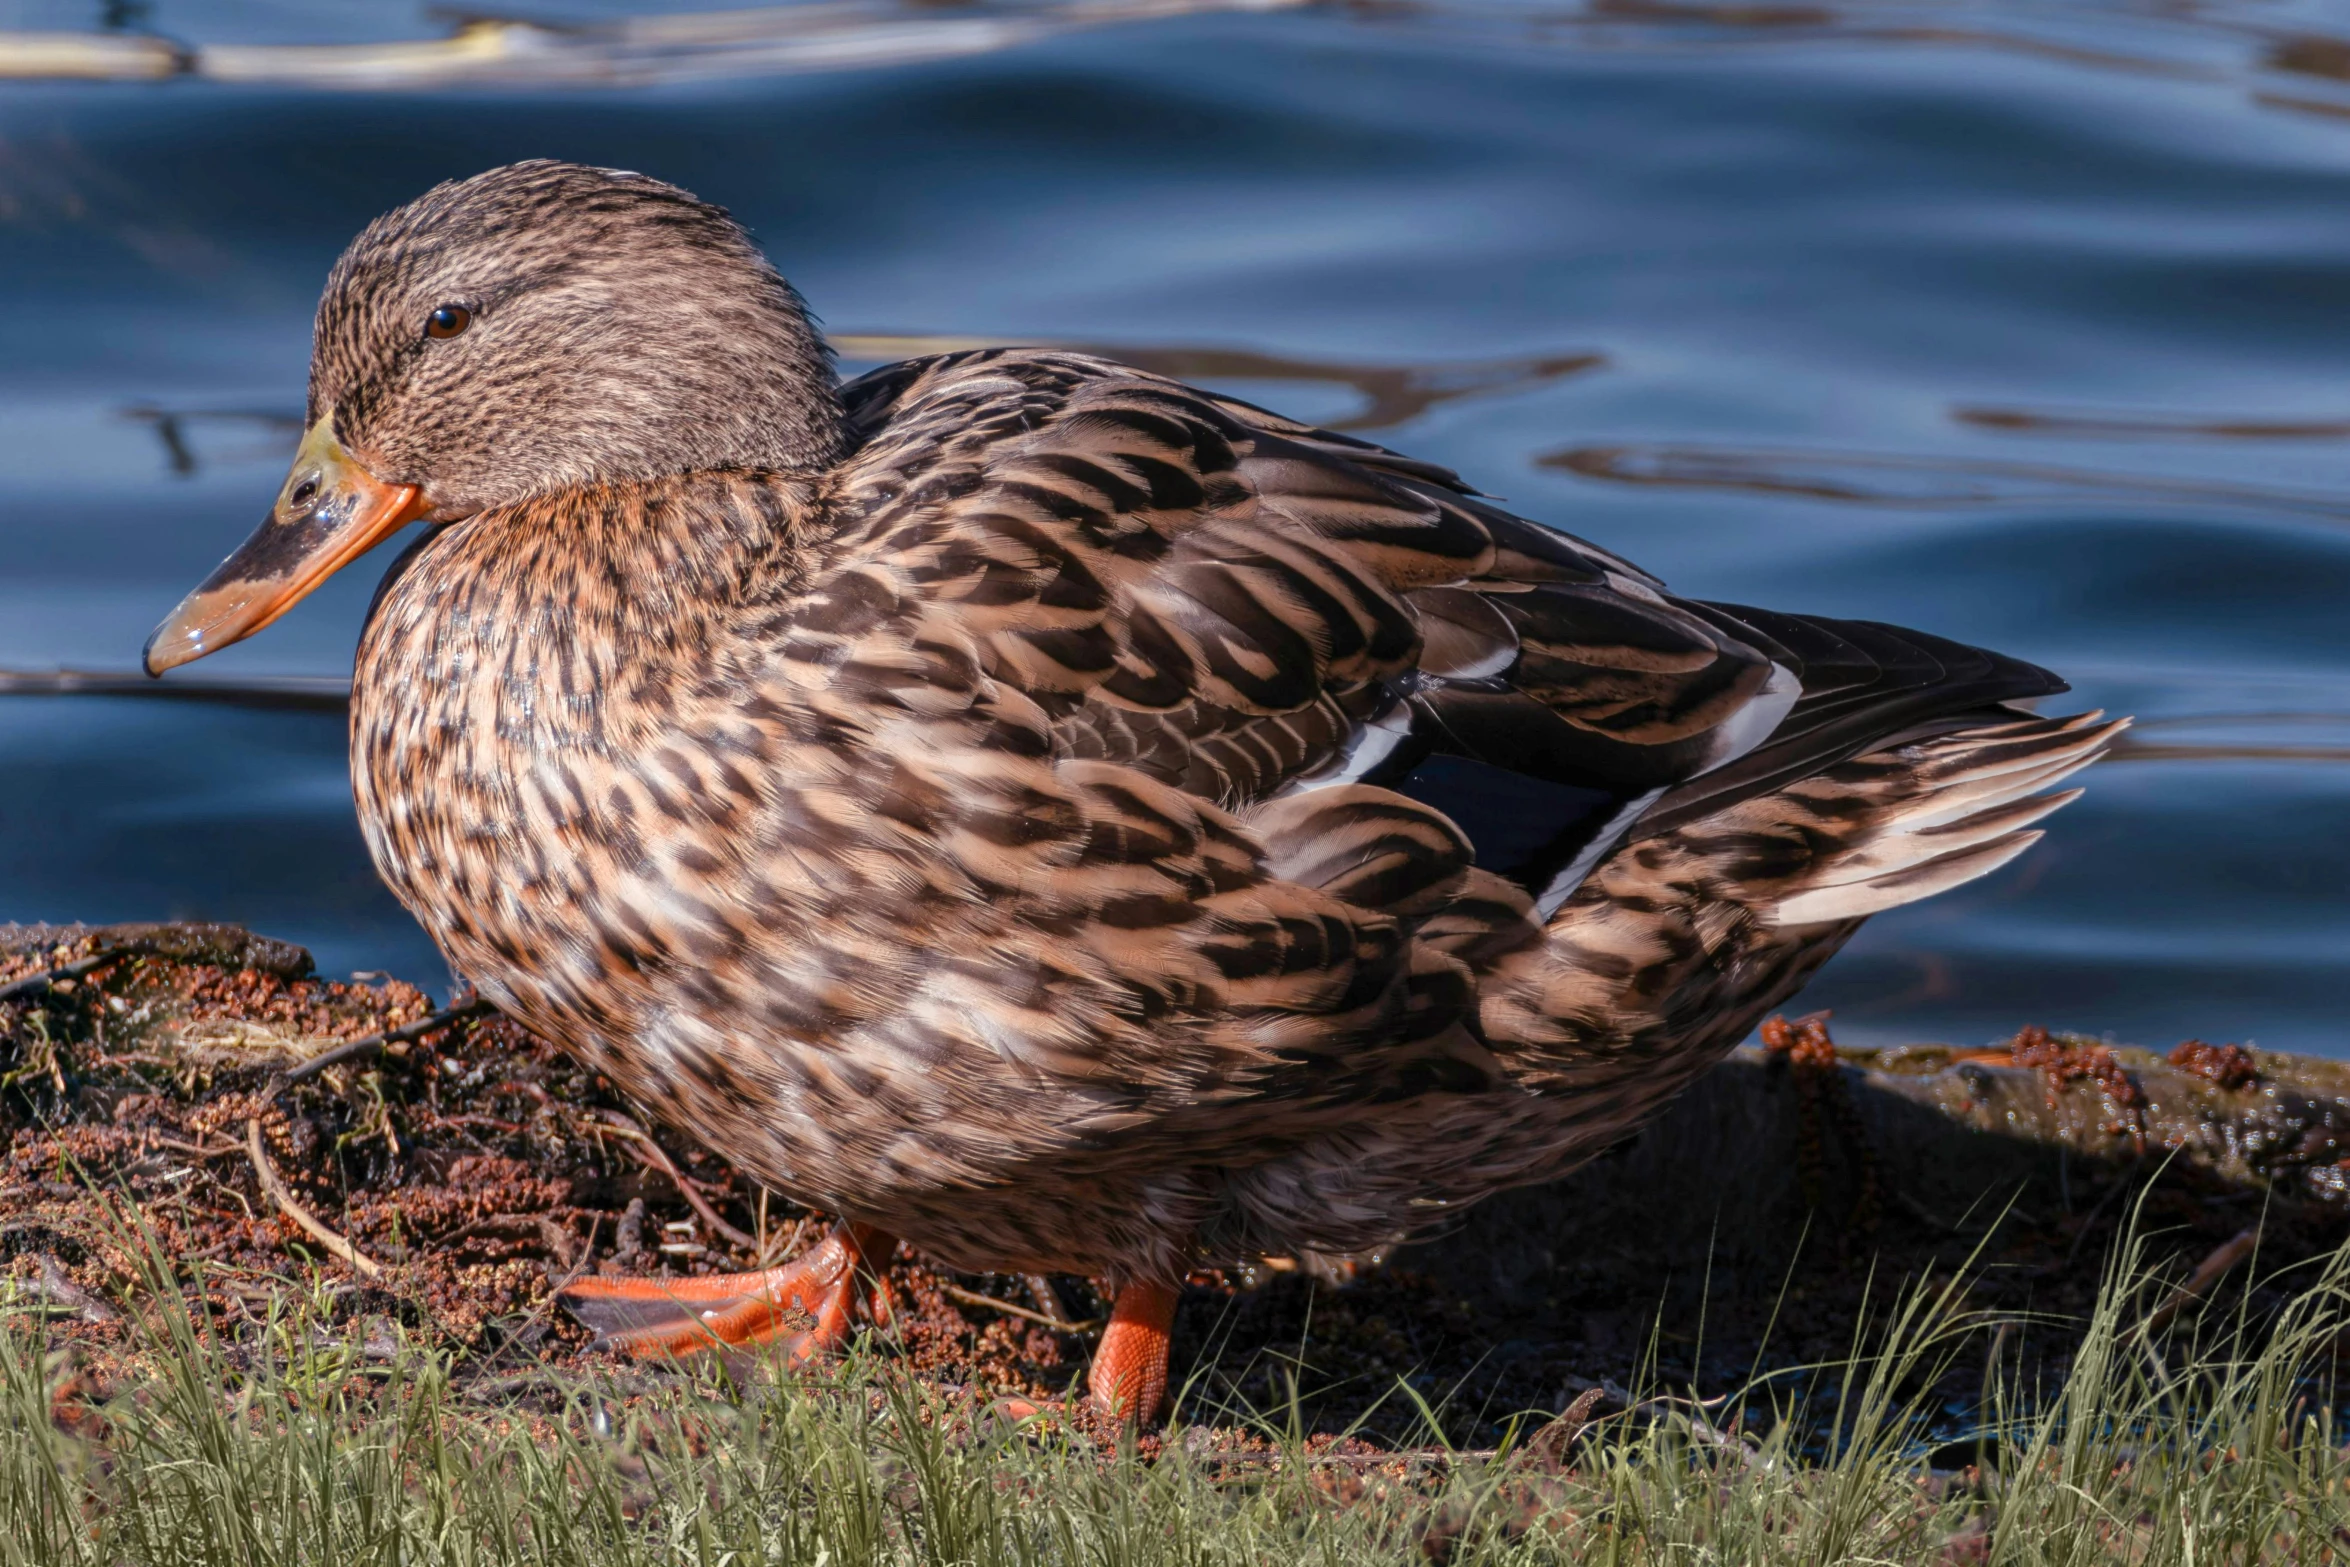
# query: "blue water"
2021,323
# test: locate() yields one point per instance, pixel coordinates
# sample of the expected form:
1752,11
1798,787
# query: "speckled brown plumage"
1068,819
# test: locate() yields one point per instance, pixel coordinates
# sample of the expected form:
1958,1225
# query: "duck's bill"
331,512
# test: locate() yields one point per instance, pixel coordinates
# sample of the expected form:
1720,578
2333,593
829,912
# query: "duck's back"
1111,818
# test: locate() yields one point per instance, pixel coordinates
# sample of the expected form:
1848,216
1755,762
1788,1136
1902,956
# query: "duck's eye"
447,321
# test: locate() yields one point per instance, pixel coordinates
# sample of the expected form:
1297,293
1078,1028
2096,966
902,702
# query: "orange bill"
331,512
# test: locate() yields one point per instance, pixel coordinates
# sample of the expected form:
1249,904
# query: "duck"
1060,818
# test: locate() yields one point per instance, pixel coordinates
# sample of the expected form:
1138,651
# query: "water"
2020,323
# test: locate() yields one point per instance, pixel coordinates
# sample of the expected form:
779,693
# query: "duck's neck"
581,619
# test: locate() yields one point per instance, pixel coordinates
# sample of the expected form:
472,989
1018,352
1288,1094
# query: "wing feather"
1240,605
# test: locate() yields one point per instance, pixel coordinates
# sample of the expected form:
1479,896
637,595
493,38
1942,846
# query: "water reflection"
2311,54
2251,737
1649,23
263,693
2148,426
2319,107
634,51
269,434
1711,15
1877,479
651,48
2214,42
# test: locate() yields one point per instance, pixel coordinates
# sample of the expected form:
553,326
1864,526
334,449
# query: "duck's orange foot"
807,1307
1128,1382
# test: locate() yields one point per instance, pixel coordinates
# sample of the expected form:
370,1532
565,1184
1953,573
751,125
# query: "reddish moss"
2230,1066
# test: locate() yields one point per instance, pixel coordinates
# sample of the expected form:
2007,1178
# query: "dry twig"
1048,1300
658,1157
783,1242
192,1150
34,984
273,1186
1556,1441
59,1290
975,1298
2207,1273
372,1044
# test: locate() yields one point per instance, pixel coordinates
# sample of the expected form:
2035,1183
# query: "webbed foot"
808,1305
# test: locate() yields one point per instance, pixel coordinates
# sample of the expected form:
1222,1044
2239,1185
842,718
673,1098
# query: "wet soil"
276,1134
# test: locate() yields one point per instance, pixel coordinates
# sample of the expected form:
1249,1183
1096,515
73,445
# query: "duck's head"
528,330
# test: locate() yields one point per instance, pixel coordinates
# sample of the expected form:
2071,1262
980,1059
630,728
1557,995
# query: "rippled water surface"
2020,323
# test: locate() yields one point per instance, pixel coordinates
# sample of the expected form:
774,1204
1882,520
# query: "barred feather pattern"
1006,835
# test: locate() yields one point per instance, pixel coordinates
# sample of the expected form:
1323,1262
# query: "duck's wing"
1244,607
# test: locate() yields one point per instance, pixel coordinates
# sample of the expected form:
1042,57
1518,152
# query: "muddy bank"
441,1168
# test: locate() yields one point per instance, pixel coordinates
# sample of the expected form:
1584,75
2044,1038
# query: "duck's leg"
807,1305
1129,1377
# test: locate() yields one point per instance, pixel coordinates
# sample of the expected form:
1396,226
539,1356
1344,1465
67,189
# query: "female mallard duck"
1067,819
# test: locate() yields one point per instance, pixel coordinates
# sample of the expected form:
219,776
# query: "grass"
285,1442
